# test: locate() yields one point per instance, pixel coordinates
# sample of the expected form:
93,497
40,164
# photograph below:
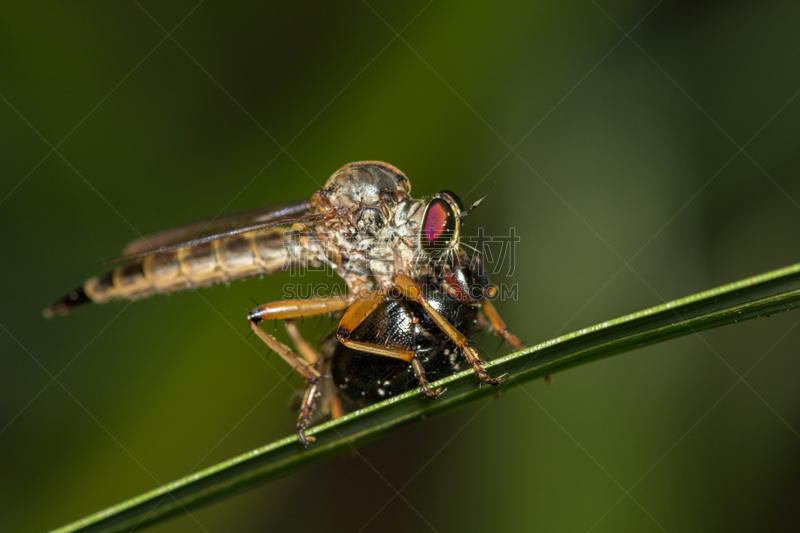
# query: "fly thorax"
365,183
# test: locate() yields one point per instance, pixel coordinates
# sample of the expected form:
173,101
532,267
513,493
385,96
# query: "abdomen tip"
62,306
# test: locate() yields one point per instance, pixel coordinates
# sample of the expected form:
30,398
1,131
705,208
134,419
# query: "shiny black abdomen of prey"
365,378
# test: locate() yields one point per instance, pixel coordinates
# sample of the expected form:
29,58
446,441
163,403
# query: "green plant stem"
750,298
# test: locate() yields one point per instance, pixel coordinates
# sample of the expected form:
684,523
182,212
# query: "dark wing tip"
63,306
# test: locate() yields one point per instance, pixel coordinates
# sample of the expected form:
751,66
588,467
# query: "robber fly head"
441,226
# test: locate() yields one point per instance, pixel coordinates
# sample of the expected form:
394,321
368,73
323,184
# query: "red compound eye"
439,226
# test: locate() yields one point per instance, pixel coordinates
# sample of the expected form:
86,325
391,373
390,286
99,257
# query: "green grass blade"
750,298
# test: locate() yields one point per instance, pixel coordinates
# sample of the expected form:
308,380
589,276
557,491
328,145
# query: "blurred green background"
625,151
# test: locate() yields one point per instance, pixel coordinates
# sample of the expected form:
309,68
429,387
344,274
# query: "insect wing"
220,227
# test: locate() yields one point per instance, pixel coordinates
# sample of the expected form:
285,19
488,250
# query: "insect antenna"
473,206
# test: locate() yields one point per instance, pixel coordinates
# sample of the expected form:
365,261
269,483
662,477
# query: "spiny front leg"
313,358
305,369
305,363
302,367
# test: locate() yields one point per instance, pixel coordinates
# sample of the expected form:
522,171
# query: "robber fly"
398,255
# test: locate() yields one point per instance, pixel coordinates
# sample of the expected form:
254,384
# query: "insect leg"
311,357
424,384
289,310
412,291
304,348
355,315
499,326
337,409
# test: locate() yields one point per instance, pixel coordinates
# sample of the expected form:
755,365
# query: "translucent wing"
220,227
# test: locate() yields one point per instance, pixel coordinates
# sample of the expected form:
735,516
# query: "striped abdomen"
237,257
